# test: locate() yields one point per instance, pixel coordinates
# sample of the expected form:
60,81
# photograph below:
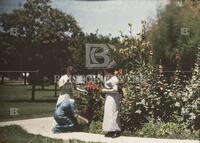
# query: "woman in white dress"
111,122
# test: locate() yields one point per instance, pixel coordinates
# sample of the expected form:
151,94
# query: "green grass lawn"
17,97
21,93
15,134
25,110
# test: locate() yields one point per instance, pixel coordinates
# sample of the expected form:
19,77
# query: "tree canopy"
175,35
38,37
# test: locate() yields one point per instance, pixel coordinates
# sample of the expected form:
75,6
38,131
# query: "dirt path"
43,127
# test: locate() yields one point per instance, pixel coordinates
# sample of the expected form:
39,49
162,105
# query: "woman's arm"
82,118
114,89
104,90
81,90
113,83
62,81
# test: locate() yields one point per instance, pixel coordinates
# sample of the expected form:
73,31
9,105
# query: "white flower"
177,104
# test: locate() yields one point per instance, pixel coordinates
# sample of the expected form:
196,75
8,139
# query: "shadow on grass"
16,134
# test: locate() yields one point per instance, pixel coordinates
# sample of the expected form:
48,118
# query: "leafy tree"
176,34
39,37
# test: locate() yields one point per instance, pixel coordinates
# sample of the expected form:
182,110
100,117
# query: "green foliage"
133,50
38,37
166,130
96,104
96,127
16,134
155,98
151,95
167,37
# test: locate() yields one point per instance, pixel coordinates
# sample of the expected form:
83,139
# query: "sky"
108,16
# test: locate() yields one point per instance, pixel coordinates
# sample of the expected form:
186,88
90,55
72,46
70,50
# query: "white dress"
111,110
64,84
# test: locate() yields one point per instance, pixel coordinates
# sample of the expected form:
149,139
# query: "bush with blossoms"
95,100
149,100
147,93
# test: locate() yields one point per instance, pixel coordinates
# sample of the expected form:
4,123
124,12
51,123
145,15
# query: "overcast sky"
109,16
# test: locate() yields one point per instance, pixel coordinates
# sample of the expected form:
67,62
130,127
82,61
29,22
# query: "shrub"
158,99
153,97
96,127
166,130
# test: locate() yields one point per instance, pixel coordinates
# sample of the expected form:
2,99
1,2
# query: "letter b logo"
97,56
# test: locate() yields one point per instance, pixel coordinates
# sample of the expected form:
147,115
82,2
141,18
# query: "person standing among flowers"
111,123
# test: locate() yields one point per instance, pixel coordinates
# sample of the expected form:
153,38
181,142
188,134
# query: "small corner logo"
97,56
14,111
185,31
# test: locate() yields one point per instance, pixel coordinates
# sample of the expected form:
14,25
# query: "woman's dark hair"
70,70
111,70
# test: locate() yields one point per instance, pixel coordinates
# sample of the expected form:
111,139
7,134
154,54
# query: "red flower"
120,71
90,86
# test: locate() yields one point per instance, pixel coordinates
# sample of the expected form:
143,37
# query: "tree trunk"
55,89
2,79
33,87
33,92
25,79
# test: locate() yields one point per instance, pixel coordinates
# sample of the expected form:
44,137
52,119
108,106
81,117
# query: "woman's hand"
82,118
103,90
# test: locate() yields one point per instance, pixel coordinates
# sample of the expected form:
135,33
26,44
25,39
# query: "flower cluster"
94,86
90,86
